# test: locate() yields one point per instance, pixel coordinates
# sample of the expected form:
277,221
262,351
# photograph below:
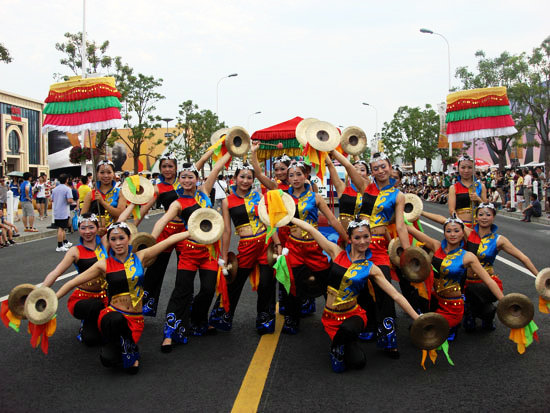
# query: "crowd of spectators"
434,187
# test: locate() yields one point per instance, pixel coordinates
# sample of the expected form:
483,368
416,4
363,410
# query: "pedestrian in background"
40,190
527,187
14,188
221,190
83,190
25,197
533,210
62,197
3,193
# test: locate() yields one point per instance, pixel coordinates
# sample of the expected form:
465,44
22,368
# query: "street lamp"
167,120
376,118
218,88
428,31
249,116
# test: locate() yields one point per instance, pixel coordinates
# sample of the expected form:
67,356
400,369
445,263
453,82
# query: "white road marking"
504,260
38,285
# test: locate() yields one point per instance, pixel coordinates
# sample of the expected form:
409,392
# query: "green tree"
195,128
5,54
97,59
138,111
412,134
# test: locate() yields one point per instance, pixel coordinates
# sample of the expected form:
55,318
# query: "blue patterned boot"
265,323
337,359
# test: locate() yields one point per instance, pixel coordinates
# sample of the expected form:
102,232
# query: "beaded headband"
356,224
489,205
168,156
360,161
240,166
297,164
92,218
465,157
378,156
191,168
454,219
283,158
105,162
118,225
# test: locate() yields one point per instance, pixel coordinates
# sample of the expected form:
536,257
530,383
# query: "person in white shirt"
221,188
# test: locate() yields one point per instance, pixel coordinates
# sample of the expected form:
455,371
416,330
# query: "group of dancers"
116,286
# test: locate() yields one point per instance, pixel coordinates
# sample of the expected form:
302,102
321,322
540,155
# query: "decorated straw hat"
205,226
413,207
301,130
237,141
17,297
429,331
542,283
135,195
288,205
415,264
142,240
41,305
353,140
216,136
322,136
515,310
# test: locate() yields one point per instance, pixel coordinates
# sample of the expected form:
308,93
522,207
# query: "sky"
303,58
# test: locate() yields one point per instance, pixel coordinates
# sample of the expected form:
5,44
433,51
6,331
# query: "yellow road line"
253,383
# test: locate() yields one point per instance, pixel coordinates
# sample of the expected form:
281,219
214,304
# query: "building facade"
23,147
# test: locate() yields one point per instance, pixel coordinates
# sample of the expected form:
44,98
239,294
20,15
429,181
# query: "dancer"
466,193
381,202
305,258
121,323
451,262
167,191
343,318
106,201
180,318
240,207
484,241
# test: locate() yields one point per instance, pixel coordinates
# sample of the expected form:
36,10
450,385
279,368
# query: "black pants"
152,283
182,299
266,290
367,303
119,345
385,314
347,335
479,302
411,294
305,288
530,213
88,311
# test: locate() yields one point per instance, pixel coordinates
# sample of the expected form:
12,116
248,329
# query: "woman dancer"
180,318
466,193
89,298
343,318
451,263
381,201
484,241
305,257
106,201
121,323
167,191
241,208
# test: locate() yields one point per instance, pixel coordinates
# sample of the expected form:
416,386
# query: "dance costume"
463,202
185,313
167,193
449,278
305,259
88,299
111,197
345,319
378,208
121,329
252,257
479,298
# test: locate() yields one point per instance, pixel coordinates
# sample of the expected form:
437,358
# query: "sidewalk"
542,220
44,231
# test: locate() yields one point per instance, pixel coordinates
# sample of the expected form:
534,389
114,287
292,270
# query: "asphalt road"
207,373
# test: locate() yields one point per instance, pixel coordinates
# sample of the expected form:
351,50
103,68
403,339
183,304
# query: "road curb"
518,215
